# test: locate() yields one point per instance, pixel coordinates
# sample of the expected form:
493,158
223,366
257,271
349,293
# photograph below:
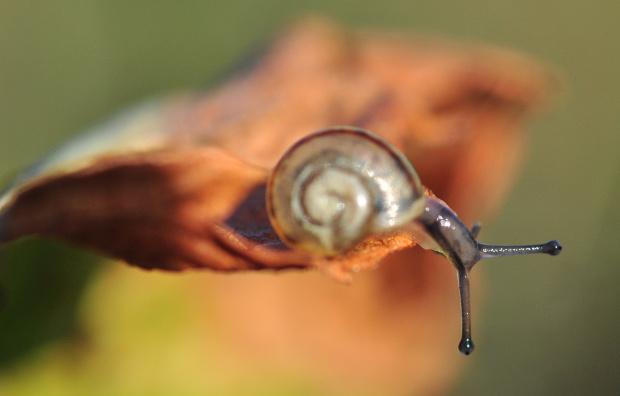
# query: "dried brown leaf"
194,198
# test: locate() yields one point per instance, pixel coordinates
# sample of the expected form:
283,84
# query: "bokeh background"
545,326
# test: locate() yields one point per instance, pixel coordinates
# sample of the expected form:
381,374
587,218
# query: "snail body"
337,186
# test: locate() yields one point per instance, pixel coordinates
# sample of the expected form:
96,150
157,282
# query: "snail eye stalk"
460,246
466,345
487,251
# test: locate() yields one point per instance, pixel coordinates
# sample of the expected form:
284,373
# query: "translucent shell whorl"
339,185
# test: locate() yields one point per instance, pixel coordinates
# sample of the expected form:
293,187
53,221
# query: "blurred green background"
547,326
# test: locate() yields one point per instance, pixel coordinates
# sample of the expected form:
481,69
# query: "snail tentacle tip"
554,247
466,346
475,229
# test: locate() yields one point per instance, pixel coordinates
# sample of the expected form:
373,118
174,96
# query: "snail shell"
339,185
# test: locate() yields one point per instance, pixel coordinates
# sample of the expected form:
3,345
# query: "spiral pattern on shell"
339,185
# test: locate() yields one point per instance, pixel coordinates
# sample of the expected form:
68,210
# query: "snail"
337,186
